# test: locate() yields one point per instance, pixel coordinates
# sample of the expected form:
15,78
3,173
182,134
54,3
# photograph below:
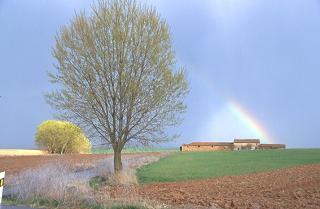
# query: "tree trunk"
117,160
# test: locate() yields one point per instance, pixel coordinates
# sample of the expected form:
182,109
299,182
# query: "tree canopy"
59,137
118,76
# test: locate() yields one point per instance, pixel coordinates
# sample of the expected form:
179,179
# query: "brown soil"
15,164
297,187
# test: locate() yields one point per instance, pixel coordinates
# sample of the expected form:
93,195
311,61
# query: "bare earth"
297,187
15,164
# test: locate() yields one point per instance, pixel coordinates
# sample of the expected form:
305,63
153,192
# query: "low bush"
82,167
52,182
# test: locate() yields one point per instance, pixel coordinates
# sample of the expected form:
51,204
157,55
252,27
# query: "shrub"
52,182
61,137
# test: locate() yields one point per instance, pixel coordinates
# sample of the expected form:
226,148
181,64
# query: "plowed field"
15,164
297,187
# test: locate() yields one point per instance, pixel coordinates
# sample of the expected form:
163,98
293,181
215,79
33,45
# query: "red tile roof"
209,144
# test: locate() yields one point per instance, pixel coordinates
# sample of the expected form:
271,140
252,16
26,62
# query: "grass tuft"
129,163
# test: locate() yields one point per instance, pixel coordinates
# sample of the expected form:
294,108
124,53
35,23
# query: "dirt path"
297,187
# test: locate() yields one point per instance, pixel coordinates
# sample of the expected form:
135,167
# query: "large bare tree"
118,76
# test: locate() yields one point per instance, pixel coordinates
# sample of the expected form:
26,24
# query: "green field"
133,150
184,166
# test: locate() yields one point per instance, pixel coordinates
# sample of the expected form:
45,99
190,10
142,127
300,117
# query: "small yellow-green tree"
59,137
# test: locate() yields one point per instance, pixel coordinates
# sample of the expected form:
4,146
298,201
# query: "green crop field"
133,150
184,166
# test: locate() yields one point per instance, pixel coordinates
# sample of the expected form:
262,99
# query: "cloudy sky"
254,68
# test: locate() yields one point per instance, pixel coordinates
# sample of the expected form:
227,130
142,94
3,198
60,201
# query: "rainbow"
238,111
250,122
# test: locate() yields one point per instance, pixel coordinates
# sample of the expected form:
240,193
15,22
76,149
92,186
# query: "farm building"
237,144
207,146
246,144
272,146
